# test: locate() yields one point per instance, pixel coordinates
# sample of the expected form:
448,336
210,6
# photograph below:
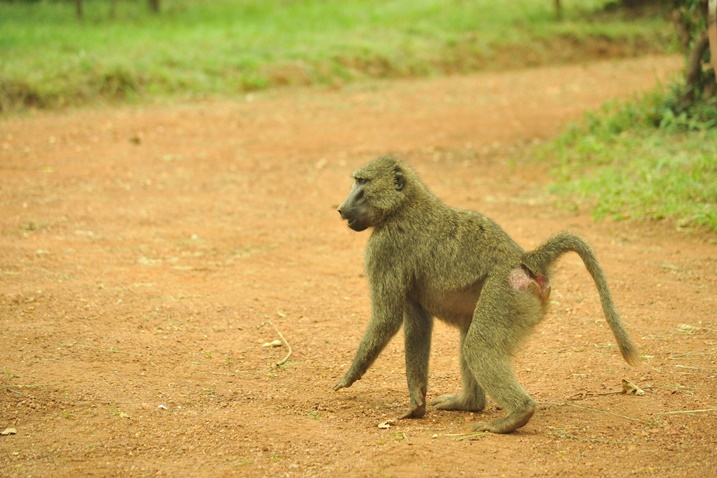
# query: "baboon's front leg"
417,328
384,324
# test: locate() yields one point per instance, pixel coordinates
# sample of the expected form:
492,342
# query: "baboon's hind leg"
493,370
472,397
502,318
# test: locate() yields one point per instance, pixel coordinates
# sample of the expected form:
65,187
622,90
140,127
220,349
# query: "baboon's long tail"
540,259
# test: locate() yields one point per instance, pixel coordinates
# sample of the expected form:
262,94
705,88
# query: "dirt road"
146,251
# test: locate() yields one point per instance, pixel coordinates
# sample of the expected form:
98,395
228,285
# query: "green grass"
638,161
49,59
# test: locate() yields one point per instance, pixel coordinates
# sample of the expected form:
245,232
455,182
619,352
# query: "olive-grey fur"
425,259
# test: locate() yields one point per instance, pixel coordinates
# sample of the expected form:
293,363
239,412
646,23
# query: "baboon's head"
378,191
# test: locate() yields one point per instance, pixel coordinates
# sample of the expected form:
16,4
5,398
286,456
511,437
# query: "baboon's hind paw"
507,424
456,403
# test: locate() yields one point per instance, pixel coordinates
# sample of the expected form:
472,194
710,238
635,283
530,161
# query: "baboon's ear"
399,180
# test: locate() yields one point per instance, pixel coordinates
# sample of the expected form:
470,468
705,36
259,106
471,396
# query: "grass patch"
640,161
50,59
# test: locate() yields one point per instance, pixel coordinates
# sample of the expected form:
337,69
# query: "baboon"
425,259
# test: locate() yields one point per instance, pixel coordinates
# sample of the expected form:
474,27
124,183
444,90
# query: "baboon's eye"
361,181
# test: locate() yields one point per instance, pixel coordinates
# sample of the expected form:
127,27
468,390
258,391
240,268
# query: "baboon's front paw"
343,383
414,411
456,403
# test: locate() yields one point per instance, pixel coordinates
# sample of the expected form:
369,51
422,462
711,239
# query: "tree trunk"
78,9
693,71
712,32
154,6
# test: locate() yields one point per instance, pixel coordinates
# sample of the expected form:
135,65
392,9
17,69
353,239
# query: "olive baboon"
426,259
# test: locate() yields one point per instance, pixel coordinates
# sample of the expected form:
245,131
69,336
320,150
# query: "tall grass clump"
641,160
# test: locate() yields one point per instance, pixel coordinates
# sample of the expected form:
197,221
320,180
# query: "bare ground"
144,251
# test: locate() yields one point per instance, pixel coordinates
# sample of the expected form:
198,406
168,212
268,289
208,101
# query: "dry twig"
282,361
468,436
562,433
686,412
595,410
584,395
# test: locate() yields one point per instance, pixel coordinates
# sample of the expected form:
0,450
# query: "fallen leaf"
688,329
631,389
387,424
8,431
275,343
